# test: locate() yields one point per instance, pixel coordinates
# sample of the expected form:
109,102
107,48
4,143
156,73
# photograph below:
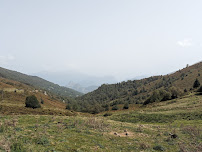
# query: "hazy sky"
120,38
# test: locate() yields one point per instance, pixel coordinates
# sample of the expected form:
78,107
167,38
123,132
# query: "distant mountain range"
78,81
39,83
78,87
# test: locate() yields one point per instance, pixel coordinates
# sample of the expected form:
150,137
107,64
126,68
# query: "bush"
165,95
153,98
107,114
115,107
2,129
196,84
126,106
68,107
42,141
32,102
159,148
42,101
176,92
106,107
17,147
200,89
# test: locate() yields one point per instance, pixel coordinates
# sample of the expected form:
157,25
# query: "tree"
135,92
126,105
166,96
32,102
75,107
96,109
196,84
176,92
106,107
163,95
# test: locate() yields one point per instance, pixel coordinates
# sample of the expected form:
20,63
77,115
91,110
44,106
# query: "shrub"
32,102
2,129
196,84
143,146
153,98
158,95
176,92
107,114
200,89
68,107
106,107
75,107
126,106
17,147
165,95
159,148
96,109
115,107
42,141
42,101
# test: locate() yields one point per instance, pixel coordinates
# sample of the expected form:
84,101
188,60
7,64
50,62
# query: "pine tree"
196,84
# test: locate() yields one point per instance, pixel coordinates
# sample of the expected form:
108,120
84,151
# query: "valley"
100,76
173,125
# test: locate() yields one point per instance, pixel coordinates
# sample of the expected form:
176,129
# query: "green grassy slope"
144,129
38,83
13,102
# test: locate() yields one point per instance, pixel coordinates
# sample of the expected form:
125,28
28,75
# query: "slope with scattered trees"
148,90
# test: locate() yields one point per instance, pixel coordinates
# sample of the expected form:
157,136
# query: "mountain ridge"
38,82
138,91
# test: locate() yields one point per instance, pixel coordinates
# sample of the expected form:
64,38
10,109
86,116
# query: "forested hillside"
139,91
39,83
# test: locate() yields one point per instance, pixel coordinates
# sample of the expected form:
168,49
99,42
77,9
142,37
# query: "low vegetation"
164,126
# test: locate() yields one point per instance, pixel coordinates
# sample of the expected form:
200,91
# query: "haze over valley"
104,76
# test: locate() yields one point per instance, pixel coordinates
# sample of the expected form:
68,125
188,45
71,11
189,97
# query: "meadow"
171,126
